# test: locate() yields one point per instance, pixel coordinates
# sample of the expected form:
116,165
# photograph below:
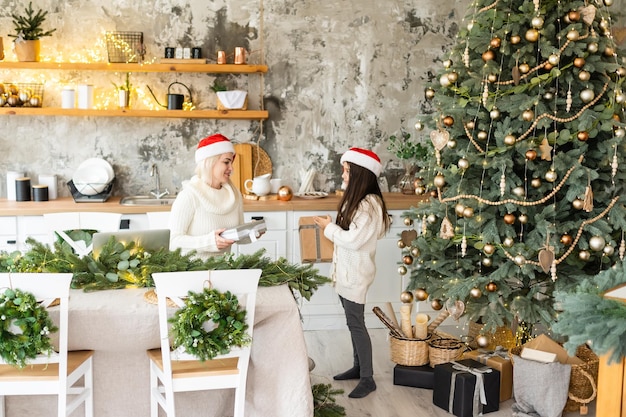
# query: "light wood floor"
332,353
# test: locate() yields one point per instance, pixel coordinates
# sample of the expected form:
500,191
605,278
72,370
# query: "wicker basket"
409,352
583,380
444,349
124,47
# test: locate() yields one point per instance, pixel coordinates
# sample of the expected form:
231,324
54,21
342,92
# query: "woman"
361,220
208,203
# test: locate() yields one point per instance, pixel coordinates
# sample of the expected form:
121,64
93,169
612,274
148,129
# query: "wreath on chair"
25,327
210,324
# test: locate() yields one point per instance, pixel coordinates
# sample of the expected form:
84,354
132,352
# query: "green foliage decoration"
406,149
25,328
210,305
28,25
324,404
588,317
126,265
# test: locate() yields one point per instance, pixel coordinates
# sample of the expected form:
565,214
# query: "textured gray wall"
341,73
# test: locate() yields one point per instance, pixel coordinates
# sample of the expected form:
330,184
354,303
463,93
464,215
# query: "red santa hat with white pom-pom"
213,145
363,158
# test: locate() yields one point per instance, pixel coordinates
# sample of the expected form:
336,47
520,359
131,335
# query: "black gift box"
414,376
464,388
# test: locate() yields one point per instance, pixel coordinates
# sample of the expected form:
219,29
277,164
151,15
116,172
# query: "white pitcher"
258,185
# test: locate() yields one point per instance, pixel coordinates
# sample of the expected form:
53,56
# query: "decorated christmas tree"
526,183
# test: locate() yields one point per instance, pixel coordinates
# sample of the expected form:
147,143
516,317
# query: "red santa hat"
213,145
363,158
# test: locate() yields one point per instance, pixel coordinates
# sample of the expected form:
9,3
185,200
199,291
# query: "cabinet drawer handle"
11,242
257,217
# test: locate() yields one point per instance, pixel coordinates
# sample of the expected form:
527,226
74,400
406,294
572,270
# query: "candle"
85,96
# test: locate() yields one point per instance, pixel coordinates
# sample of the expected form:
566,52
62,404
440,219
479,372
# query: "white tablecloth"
119,325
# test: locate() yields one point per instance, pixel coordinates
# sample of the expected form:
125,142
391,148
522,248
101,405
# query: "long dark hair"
361,182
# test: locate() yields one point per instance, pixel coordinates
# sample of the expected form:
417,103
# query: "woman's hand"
220,242
322,221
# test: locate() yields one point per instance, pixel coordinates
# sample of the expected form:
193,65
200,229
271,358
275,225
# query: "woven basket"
583,380
444,349
409,352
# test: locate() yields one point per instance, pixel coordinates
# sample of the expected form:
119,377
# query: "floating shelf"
104,66
194,114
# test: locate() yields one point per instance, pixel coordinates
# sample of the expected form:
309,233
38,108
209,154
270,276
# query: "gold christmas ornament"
566,239
448,121
421,294
402,270
463,163
451,144
444,81
608,250
401,244
508,242
408,221
415,252
574,15
551,175
582,136
509,218
537,22
476,292
554,59
419,126
458,209
608,51
597,243
494,114
487,261
407,259
509,140
519,260
492,78
482,341
436,304
592,47
531,154
489,249
528,115
429,93
524,68
579,62
532,35
482,135
495,42
584,255
453,77
523,218
447,63
515,39
406,297
547,66
468,212
535,182
584,75
285,193
587,95
488,55
439,181
519,191
470,125
492,287
573,35
578,204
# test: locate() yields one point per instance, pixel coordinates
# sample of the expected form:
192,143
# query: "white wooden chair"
158,219
68,373
172,372
59,223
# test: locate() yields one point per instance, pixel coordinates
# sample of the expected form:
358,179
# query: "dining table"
120,325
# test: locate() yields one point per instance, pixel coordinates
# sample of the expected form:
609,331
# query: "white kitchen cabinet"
8,234
34,227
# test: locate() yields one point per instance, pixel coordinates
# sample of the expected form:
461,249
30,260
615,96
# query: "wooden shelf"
104,66
195,114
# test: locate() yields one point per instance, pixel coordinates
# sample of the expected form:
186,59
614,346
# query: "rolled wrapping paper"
438,320
22,189
391,314
405,320
421,326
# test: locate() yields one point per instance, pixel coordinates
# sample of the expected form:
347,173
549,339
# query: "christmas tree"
526,181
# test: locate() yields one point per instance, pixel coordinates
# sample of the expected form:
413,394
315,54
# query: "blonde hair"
204,169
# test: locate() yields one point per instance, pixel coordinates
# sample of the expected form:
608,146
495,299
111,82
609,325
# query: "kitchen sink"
146,200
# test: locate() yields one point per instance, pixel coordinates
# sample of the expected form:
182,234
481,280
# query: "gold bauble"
433,193
582,136
574,15
458,209
476,292
436,304
451,144
547,66
578,204
495,42
494,114
482,341
608,51
482,135
508,242
421,294
420,190
579,62
621,71
453,77
573,35
470,125
553,59
407,259
566,239
532,35
402,270
608,250
587,95
487,261
447,63
492,287
509,218
439,181
492,78
468,212
528,115
535,182
418,182
597,243
488,55
285,193
551,175
584,255
519,191
537,22
448,121
415,252
592,47
463,163
408,221
429,93
524,68
523,218
515,39
406,297
531,154
489,249
519,260
401,244
584,75
509,140
419,126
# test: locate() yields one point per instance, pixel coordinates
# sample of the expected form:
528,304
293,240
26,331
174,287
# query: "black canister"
22,189
40,192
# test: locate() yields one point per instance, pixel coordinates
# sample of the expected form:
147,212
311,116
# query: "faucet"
154,172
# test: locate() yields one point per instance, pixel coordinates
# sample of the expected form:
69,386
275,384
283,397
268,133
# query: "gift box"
466,388
314,246
414,376
498,359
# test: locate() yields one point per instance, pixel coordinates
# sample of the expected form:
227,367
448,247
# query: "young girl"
361,220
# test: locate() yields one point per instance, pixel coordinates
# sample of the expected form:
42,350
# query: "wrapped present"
498,359
466,388
314,246
414,376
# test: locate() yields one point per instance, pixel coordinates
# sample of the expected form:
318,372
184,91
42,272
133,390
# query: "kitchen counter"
394,201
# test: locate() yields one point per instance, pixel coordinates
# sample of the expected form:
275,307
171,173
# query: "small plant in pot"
124,90
229,99
28,31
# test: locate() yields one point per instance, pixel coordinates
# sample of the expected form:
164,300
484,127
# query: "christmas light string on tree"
526,193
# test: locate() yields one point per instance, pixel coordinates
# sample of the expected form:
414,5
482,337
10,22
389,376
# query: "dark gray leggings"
361,342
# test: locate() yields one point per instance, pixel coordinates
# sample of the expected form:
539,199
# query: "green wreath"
25,327
223,310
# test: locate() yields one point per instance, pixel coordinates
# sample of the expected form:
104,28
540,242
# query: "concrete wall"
341,73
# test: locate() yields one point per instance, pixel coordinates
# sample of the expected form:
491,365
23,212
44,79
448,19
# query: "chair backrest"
47,287
158,219
175,286
59,223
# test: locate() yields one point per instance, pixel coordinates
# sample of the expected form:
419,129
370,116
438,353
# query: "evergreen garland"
324,404
125,265
588,317
25,328
210,305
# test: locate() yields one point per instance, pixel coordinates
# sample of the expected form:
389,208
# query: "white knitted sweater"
198,211
354,266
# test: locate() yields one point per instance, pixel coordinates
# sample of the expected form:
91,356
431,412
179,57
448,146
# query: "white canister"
85,96
67,98
11,177
51,181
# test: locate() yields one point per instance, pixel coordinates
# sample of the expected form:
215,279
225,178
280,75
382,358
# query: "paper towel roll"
11,177
51,181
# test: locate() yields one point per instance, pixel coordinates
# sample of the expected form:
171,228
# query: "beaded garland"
25,327
210,307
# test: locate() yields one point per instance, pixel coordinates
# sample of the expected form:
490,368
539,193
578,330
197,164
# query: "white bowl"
93,176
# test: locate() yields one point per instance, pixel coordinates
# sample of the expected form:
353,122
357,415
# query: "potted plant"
28,31
123,91
412,154
229,99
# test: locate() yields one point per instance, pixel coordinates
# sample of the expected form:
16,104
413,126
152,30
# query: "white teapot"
258,185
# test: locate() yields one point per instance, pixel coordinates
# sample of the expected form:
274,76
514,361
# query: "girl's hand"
220,242
322,221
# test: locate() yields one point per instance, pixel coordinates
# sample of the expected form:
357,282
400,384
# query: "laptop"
152,239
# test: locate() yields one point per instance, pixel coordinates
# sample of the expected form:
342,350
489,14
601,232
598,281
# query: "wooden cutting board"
251,161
